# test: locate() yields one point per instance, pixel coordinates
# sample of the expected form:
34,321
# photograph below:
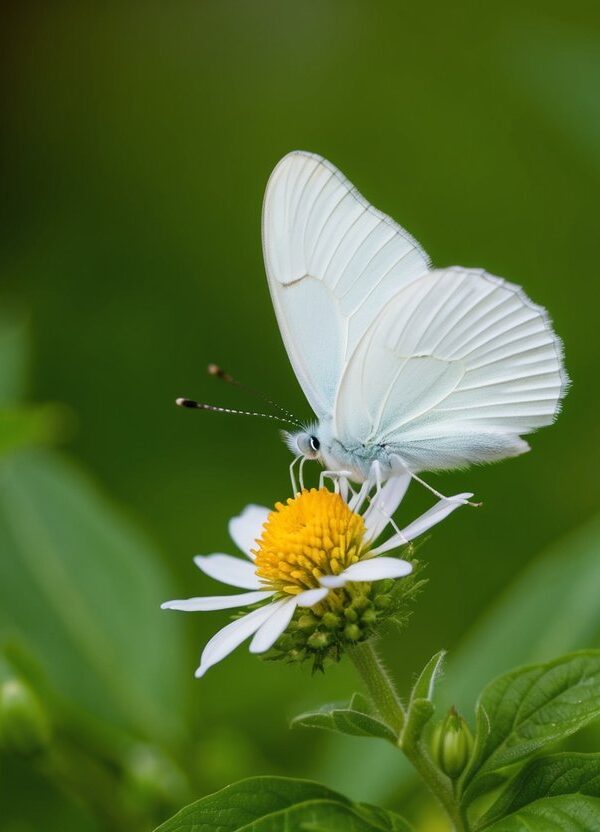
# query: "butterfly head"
305,442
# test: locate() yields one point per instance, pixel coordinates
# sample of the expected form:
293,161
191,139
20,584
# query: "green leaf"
382,818
420,706
533,706
424,686
14,358
549,610
82,588
551,776
278,804
346,720
24,426
570,813
421,711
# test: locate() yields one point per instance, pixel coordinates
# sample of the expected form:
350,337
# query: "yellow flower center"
313,534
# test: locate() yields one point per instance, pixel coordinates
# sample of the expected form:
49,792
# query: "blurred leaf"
557,774
560,69
277,804
550,609
14,359
345,721
569,813
531,707
84,587
24,426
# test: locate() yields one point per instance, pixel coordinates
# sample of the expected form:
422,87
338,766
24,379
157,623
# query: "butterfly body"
416,368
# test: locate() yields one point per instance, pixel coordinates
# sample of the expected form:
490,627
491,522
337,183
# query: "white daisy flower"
315,551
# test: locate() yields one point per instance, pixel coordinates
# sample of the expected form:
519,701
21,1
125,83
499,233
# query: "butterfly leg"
335,477
293,476
375,480
360,496
301,472
438,494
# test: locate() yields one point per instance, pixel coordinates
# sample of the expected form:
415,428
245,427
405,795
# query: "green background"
137,139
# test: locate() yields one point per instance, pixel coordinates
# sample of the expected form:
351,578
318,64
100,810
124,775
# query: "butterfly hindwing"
452,371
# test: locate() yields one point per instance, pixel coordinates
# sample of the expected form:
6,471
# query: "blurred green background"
136,140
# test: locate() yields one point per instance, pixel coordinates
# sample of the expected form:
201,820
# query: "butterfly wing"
333,262
456,367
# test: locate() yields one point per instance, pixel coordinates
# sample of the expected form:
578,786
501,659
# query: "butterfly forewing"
333,262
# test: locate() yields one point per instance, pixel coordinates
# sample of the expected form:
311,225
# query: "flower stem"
379,684
385,697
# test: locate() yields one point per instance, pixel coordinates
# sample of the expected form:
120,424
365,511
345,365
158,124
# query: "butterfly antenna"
219,372
191,403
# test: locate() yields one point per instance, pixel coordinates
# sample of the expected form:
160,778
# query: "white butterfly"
414,368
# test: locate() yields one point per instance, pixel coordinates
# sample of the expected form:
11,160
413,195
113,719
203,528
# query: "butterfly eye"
314,443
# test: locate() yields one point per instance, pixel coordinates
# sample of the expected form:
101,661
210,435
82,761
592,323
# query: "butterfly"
405,366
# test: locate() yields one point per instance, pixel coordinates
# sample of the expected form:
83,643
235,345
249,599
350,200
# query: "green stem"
385,697
438,783
379,684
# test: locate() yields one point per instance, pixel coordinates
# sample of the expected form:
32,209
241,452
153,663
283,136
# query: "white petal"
311,597
423,523
385,503
333,581
274,626
216,602
226,640
246,528
374,569
229,570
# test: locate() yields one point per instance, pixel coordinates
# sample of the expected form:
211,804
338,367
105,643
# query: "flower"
312,569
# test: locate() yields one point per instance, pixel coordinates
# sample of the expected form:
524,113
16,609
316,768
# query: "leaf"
421,711
551,609
420,706
14,358
359,702
345,721
279,804
533,706
24,426
424,686
551,776
382,818
570,813
82,588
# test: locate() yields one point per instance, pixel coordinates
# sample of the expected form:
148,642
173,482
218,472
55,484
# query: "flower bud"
24,725
452,743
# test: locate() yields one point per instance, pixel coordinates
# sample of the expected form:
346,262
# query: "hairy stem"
385,698
379,684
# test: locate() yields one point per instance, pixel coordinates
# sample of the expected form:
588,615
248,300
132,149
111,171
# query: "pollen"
311,535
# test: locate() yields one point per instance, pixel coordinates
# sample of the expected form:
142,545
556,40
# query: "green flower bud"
452,743
382,602
318,640
331,620
24,725
352,632
369,616
307,621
